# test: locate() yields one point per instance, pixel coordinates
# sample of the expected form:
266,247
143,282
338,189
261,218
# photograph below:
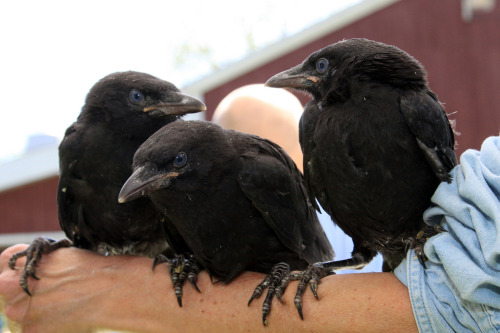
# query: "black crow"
376,142
234,200
95,158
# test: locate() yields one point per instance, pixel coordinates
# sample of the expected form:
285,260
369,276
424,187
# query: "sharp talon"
276,282
422,237
421,259
439,228
179,300
26,290
195,286
299,309
314,290
160,259
180,270
265,311
259,289
12,262
178,294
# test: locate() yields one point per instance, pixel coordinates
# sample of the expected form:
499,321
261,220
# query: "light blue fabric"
460,289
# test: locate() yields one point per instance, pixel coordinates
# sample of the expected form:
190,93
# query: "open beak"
185,104
142,182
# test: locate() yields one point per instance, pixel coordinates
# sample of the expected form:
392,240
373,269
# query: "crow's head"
129,100
180,157
330,70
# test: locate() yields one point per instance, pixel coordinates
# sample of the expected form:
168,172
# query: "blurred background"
54,51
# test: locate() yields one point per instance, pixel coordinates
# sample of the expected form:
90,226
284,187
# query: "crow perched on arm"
95,158
376,144
234,200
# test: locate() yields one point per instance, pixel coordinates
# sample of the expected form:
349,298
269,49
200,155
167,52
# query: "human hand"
72,282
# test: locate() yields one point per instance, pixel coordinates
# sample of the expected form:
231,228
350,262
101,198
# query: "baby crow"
235,200
376,142
95,158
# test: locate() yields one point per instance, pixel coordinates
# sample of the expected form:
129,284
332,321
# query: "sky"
54,51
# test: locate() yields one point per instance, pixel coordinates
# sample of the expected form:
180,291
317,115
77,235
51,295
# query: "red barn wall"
462,59
30,208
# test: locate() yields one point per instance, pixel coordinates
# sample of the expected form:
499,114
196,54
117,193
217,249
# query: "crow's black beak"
294,78
142,182
185,104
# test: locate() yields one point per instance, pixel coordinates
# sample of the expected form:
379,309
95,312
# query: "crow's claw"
422,237
276,282
312,276
180,269
159,259
33,254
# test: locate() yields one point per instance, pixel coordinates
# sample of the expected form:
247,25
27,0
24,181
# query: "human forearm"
79,290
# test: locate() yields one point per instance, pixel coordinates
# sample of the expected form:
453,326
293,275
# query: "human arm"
79,291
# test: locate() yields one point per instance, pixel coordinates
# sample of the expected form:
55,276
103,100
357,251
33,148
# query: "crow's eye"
180,160
322,65
136,96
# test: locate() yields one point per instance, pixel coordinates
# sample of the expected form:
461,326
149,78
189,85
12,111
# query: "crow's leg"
361,256
33,254
180,269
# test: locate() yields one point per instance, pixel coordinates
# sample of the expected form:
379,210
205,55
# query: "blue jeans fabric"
460,289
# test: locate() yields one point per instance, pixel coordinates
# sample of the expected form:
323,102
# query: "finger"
8,252
13,249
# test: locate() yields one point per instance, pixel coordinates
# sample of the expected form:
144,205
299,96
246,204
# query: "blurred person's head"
267,112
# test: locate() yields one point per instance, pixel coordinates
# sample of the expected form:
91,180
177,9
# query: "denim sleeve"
460,289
